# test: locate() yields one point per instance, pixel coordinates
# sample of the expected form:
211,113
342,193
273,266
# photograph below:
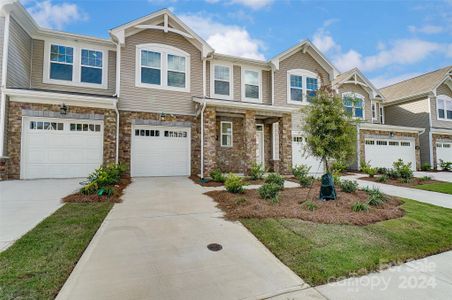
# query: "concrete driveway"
25,203
442,176
154,246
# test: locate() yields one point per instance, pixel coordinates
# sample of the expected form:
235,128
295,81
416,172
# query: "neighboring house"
379,144
157,97
424,101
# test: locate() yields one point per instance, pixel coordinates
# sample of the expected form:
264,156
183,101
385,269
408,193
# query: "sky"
388,41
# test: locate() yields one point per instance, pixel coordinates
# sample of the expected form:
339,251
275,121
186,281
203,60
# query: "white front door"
382,153
260,145
443,152
160,151
60,148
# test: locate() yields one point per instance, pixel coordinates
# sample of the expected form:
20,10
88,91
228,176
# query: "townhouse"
157,97
425,101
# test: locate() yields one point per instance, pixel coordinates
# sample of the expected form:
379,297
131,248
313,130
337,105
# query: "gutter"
117,132
3,83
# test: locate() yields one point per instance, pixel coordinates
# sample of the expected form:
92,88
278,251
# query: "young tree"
330,131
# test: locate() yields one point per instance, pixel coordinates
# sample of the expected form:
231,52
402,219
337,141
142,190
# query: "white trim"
273,86
362,98
76,64
245,105
381,111
262,132
164,51
231,80
373,109
3,83
221,134
275,140
259,78
304,74
383,127
446,99
30,96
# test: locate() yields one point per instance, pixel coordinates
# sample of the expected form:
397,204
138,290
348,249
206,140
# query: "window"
446,145
61,62
353,105
370,142
251,88
374,111
302,86
222,78
226,134
393,143
298,139
91,66
405,144
444,104
150,67
175,134
382,143
39,125
162,67
84,127
382,116
147,132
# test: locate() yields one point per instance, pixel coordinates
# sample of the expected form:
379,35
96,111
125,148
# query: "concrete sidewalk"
434,198
441,176
427,278
154,246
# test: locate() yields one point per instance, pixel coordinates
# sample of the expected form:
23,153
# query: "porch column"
250,140
210,140
285,144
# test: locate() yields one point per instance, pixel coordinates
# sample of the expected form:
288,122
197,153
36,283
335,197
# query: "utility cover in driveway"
160,151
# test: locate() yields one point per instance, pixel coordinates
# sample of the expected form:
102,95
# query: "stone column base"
4,168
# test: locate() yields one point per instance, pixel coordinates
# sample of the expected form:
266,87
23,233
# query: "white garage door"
58,148
444,152
383,153
299,155
160,151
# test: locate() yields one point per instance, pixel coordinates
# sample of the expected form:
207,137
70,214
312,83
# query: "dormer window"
251,85
221,83
302,86
75,64
354,104
162,67
444,107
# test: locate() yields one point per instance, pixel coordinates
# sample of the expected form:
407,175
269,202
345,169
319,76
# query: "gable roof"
355,76
164,20
416,86
306,46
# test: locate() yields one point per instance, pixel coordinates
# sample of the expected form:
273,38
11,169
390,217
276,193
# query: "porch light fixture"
391,134
63,109
162,117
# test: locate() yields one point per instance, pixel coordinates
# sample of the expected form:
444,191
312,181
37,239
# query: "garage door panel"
60,153
383,153
301,157
443,152
160,155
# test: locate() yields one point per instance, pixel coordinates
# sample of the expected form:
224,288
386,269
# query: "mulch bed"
413,183
196,179
292,205
115,198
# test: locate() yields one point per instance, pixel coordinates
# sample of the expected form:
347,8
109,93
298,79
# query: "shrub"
305,181
310,205
383,178
300,170
339,167
425,178
217,175
363,165
359,206
234,184
349,186
375,197
393,174
257,171
382,171
269,191
368,169
240,201
371,172
445,165
403,169
426,167
276,179
102,178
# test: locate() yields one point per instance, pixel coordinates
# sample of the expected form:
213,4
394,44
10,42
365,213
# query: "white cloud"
323,39
382,81
254,4
226,39
427,29
56,16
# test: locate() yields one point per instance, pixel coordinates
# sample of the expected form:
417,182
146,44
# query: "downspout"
3,84
358,148
430,135
204,92
118,86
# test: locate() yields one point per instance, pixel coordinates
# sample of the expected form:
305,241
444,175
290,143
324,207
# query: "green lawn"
319,252
442,187
39,263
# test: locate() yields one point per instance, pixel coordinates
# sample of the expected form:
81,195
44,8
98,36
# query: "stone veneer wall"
126,119
364,132
435,138
284,165
231,159
14,131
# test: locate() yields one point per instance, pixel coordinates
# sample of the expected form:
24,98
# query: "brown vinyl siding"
443,89
412,114
37,74
208,79
297,60
19,56
354,88
134,98
267,87
2,35
237,78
